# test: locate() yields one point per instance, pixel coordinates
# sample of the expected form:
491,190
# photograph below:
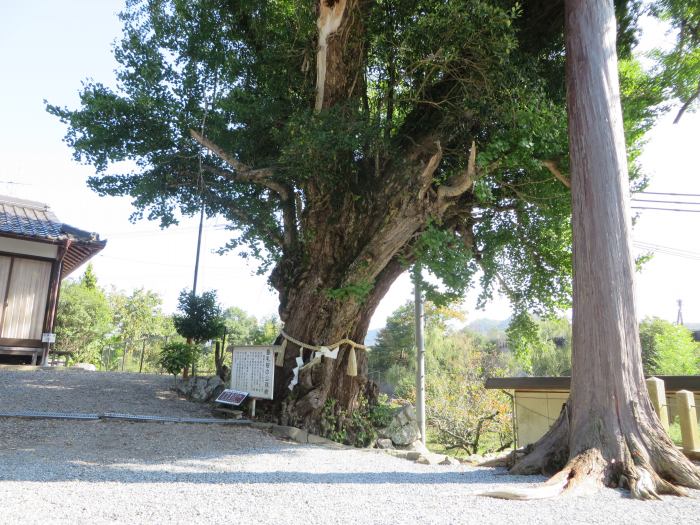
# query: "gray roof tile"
27,218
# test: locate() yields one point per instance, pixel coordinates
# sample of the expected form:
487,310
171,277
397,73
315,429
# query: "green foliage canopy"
244,329
138,315
200,317
431,72
83,320
542,347
668,349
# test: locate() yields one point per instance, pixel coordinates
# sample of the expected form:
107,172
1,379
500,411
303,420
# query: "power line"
667,250
168,265
672,194
168,231
667,202
661,247
655,245
664,209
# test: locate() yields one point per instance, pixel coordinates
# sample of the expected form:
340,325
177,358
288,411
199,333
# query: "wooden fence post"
143,351
657,393
689,422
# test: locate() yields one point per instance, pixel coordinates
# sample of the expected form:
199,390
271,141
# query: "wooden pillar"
657,394
689,422
52,303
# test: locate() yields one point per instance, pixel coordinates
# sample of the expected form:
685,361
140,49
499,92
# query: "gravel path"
126,472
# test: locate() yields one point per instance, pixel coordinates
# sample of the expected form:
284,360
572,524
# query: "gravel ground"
127,472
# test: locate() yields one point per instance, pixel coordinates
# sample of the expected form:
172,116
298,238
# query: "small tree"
89,279
177,356
200,318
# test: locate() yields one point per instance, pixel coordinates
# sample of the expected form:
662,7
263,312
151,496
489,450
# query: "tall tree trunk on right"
609,432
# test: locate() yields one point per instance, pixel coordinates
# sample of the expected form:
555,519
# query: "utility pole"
420,352
679,318
199,246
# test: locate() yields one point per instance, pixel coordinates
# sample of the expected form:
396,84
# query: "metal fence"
142,356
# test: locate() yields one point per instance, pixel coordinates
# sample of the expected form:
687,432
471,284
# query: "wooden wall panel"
5,263
26,301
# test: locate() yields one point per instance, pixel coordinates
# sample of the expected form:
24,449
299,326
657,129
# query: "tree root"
649,469
582,475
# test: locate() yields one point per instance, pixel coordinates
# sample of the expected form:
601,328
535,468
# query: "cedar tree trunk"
608,433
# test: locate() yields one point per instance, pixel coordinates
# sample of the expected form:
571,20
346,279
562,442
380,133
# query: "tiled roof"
24,218
33,220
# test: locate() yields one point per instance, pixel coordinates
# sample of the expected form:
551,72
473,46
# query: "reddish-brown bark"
609,433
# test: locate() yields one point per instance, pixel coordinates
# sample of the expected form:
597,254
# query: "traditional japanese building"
36,252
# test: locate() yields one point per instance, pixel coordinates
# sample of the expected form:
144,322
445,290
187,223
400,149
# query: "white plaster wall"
22,247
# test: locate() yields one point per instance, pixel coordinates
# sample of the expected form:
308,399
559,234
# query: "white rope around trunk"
329,351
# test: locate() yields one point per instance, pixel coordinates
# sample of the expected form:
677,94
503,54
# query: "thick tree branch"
463,182
687,104
554,170
223,155
243,173
426,175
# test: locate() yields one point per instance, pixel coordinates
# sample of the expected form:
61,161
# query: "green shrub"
381,414
177,356
359,427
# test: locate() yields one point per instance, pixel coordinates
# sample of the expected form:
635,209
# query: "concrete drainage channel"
29,414
280,431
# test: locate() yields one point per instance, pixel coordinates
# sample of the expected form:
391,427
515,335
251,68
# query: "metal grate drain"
119,416
49,415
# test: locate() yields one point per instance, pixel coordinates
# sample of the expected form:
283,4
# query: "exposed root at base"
590,471
582,475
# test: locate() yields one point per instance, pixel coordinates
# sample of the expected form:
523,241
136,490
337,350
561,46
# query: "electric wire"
664,209
667,202
667,193
668,250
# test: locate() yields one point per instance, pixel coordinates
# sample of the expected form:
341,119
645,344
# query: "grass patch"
674,431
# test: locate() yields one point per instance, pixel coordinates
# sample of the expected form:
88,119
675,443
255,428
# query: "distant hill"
485,326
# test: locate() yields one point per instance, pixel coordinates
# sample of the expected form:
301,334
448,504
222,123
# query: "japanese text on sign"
253,370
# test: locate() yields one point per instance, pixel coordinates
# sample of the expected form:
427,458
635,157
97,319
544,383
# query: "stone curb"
302,436
298,435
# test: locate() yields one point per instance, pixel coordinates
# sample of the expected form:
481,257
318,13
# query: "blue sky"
47,48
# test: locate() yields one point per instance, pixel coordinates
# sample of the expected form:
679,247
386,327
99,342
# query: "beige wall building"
538,401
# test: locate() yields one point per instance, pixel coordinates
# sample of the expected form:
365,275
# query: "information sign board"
48,338
232,397
253,370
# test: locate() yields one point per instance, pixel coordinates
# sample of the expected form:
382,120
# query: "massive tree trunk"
609,433
330,290
346,238
357,243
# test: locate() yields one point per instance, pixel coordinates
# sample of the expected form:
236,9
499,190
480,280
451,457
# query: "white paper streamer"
300,363
330,354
